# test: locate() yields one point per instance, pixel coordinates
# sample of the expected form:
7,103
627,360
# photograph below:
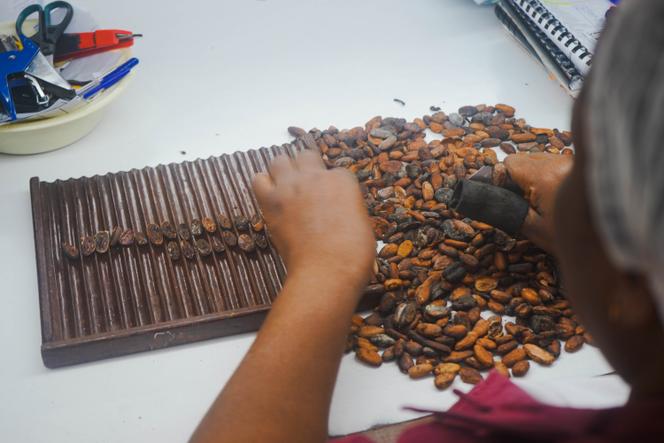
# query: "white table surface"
219,76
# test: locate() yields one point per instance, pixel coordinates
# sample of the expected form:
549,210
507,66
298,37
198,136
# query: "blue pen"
112,77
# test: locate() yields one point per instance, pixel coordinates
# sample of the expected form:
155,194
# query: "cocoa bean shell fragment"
257,223
88,245
246,243
102,242
116,233
155,235
470,375
224,222
183,231
70,251
196,227
229,238
187,249
127,237
209,225
140,238
203,247
173,250
217,245
261,240
241,223
168,230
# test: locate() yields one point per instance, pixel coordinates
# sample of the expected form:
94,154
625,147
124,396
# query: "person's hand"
540,176
317,218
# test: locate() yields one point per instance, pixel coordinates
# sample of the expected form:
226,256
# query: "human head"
610,211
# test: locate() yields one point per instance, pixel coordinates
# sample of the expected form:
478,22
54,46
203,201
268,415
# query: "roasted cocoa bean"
173,250
183,231
538,354
203,247
257,223
241,223
246,243
514,356
140,238
217,245
70,251
115,235
209,225
574,343
420,370
155,235
405,362
168,230
229,238
470,375
369,357
196,227
261,240
187,249
102,242
444,380
224,222
127,237
520,368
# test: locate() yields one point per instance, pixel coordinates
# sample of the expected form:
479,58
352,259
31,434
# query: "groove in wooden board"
249,260
152,299
229,294
129,255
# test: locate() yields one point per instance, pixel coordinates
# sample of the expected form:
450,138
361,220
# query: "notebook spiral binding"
571,77
557,31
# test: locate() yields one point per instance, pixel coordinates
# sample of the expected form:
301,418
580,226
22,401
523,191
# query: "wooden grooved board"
133,299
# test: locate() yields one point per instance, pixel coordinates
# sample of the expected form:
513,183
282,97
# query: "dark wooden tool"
135,298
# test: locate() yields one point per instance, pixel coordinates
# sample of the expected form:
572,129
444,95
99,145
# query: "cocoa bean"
224,222
246,243
444,380
470,376
140,238
70,251
187,249
203,247
196,227
209,225
538,354
168,230
369,357
102,242
514,356
520,368
115,235
420,370
173,250
574,343
405,362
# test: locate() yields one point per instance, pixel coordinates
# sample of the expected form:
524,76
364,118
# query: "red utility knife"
82,44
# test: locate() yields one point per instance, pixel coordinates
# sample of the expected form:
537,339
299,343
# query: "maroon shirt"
497,410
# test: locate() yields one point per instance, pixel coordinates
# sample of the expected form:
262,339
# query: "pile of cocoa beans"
457,296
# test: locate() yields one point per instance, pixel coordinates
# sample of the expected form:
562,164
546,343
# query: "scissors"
47,34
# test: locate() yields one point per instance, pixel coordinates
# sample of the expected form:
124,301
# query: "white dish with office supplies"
58,128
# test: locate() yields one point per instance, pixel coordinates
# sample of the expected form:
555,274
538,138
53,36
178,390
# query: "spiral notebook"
539,45
572,25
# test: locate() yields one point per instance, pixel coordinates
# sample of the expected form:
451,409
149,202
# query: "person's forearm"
282,389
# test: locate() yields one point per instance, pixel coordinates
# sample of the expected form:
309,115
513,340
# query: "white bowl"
48,134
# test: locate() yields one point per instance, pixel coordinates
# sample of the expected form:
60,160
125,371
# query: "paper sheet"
583,18
366,397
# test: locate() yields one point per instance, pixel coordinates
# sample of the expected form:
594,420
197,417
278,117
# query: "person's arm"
539,175
281,391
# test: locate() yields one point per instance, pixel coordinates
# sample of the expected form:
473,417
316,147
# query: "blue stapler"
25,66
